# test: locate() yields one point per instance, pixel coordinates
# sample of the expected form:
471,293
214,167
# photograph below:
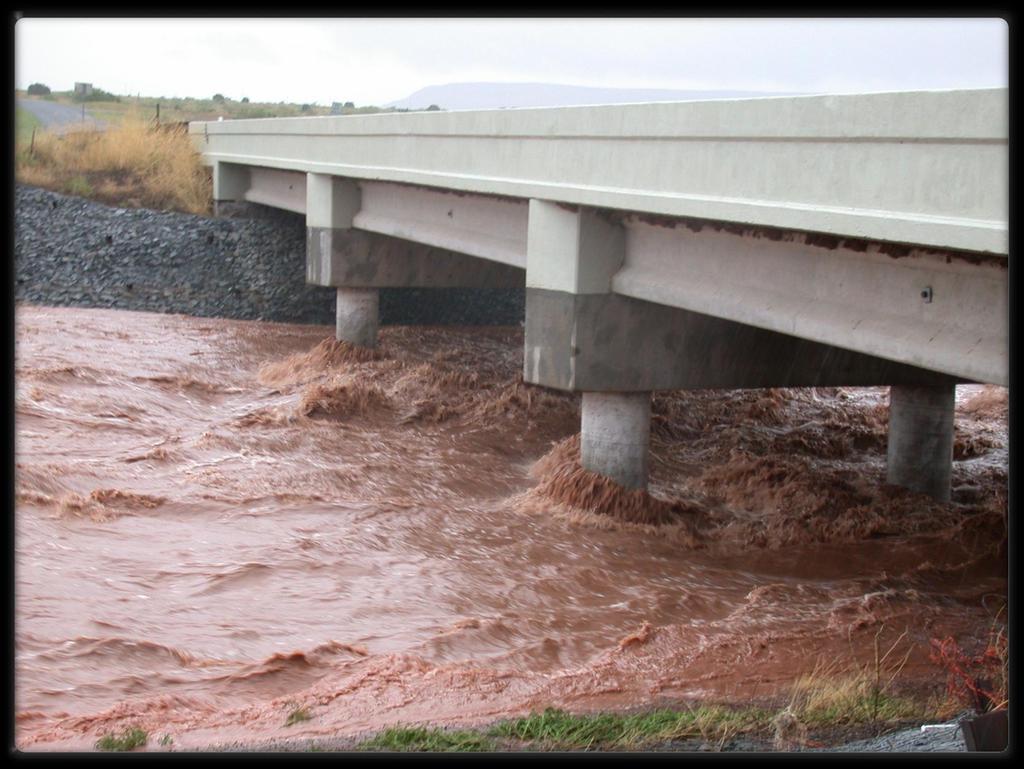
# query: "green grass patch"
78,185
402,739
24,123
558,730
129,740
712,725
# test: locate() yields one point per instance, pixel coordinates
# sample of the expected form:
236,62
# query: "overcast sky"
375,61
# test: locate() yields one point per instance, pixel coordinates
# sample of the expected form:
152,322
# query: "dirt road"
60,117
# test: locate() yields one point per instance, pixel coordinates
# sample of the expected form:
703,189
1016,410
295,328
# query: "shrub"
79,185
38,89
131,739
297,716
979,681
97,94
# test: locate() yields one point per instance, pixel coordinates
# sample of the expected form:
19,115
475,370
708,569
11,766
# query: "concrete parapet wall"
925,167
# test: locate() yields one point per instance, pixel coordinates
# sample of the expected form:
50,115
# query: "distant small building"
83,89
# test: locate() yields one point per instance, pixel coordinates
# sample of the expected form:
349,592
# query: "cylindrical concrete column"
920,453
357,316
616,430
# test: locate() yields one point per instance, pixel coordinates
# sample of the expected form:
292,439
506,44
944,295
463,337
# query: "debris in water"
640,637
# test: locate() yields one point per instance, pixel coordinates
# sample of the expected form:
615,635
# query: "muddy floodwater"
218,522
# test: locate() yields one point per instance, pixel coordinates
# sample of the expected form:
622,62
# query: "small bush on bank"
38,89
79,185
129,740
979,681
297,716
130,165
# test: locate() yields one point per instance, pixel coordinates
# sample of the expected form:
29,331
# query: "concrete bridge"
846,240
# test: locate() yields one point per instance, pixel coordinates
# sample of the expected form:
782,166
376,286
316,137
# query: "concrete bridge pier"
572,254
615,436
356,316
331,204
919,455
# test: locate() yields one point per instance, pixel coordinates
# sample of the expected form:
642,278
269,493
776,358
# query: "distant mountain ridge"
497,95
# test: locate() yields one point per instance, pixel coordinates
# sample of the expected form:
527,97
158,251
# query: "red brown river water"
218,522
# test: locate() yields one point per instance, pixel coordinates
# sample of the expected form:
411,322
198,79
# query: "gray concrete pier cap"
615,433
920,451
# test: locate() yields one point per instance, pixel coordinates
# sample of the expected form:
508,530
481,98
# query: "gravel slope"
946,740
75,252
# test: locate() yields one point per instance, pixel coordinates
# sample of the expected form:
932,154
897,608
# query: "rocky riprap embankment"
69,251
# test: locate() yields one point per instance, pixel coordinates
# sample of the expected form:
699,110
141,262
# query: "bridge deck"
877,223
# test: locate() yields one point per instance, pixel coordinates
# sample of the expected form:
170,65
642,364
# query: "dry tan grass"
131,165
837,693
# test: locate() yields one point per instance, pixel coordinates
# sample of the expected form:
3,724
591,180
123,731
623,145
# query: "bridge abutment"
230,182
919,455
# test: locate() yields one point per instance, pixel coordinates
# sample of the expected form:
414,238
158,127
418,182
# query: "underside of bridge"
619,304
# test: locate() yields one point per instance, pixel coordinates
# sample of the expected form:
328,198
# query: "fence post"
32,143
